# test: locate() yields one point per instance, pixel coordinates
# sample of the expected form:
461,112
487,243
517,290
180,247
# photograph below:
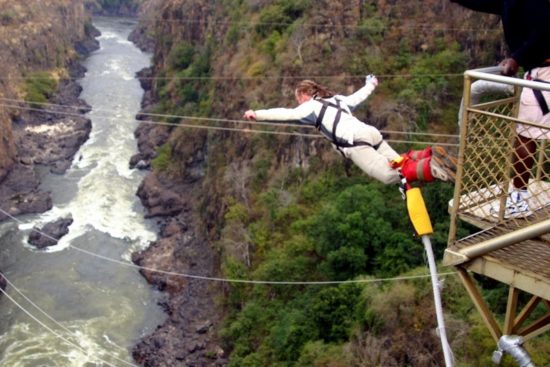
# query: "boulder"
20,193
158,199
50,233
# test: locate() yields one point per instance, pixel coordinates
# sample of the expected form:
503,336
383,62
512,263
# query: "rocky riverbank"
189,336
46,135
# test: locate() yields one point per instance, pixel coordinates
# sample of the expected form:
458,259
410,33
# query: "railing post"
466,98
540,160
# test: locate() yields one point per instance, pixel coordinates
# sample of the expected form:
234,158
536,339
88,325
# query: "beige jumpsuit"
351,133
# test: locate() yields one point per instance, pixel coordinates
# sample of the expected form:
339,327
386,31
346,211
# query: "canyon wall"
35,36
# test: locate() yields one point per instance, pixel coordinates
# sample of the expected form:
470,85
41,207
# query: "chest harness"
540,97
538,94
332,134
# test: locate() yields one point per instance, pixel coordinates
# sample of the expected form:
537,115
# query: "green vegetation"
39,87
190,94
181,56
282,208
333,229
8,17
164,155
279,16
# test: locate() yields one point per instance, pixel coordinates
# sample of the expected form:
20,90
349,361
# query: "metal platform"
514,250
524,264
481,208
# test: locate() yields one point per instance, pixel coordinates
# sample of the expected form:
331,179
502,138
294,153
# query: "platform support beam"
536,328
526,312
480,304
511,308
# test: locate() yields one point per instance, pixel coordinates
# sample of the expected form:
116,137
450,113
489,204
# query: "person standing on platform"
526,26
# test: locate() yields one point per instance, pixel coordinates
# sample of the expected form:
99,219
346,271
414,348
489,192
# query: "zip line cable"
199,118
245,130
362,76
55,333
233,129
220,279
161,123
250,24
67,330
254,23
131,265
235,78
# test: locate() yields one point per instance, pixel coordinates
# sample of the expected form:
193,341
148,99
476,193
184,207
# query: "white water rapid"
99,308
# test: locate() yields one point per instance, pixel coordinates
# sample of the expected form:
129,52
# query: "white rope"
224,280
199,118
250,24
262,77
247,281
447,351
46,314
241,130
61,337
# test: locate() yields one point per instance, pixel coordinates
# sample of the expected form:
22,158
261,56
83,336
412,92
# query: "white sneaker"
516,205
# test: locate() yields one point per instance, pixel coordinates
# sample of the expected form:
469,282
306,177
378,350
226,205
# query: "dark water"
100,307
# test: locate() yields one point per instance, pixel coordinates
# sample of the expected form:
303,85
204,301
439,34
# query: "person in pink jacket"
362,143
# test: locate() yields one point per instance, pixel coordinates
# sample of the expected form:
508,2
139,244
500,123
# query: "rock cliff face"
40,44
35,35
238,52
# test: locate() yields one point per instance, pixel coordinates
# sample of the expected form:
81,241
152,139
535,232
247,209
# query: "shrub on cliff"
39,87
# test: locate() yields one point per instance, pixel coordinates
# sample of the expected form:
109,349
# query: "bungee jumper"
332,115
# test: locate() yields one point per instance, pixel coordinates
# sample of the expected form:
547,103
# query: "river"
93,310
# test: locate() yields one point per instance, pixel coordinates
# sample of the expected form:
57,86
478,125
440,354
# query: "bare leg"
523,161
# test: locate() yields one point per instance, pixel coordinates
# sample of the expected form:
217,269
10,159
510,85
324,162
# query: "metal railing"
488,160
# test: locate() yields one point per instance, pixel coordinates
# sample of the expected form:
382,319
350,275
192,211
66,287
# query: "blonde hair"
313,89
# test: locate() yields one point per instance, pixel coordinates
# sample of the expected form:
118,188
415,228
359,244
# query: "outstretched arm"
304,113
353,100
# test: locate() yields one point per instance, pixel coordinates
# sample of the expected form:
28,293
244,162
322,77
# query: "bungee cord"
220,279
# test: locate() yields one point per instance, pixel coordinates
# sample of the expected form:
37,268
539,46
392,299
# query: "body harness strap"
332,134
540,98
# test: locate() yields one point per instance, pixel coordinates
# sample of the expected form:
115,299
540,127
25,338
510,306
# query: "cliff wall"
219,58
35,35
215,59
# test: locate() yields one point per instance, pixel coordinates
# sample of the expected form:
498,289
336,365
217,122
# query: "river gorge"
102,308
